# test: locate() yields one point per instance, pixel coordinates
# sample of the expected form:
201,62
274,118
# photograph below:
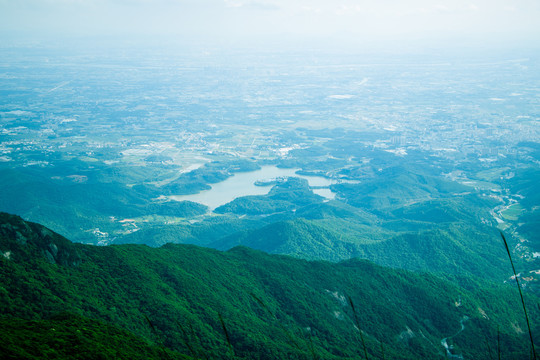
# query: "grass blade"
498,342
226,334
520,294
489,348
186,340
158,338
357,322
285,331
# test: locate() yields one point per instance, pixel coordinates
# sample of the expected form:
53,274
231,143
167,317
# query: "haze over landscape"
246,179
261,22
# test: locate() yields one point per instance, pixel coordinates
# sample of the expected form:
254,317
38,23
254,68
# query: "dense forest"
133,301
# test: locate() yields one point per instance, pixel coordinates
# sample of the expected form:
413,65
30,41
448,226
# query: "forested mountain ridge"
440,235
249,305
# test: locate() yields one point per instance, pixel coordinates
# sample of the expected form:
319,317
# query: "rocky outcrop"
19,237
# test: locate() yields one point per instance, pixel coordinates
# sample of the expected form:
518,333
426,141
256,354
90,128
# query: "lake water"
243,184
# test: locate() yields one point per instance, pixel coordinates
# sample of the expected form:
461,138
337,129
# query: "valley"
255,205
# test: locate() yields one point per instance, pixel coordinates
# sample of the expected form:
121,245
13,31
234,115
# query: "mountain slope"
207,303
69,336
394,186
75,204
454,247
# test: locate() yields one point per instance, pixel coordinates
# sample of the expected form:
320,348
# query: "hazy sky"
251,20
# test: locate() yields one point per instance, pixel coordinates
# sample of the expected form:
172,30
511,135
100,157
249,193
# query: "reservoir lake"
243,184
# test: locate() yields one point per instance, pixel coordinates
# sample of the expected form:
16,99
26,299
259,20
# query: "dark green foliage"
328,210
466,209
70,336
176,208
358,327
450,248
396,186
272,307
186,188
520,295
300,238
255,205
23,240
529,225
202,233
294,190
525,183
74,196
71,207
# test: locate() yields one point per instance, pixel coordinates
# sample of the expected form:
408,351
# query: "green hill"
287,196
246,304
444,236
72,206
396,186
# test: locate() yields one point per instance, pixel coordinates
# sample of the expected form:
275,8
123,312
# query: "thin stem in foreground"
520,294
358,326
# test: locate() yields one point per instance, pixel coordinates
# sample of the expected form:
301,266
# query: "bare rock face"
20,238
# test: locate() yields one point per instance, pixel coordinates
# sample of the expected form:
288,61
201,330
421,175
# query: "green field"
491,174
513,212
